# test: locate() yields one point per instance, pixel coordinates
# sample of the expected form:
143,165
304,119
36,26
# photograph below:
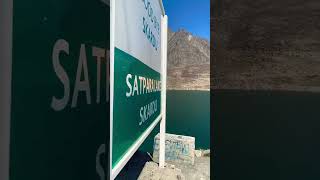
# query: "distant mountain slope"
188,61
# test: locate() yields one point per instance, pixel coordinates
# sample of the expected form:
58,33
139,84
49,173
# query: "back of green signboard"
59,90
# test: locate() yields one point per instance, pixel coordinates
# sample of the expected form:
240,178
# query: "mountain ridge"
188,61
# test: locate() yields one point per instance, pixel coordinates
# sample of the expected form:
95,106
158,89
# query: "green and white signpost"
54,65
61,115
138,73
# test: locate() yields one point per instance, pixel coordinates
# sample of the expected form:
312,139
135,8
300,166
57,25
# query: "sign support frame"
164,29
111,90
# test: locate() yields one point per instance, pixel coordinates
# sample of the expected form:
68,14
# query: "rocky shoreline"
200,170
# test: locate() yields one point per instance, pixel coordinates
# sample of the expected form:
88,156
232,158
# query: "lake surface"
188,113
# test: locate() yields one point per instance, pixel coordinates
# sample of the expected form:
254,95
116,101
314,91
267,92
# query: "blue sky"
192,15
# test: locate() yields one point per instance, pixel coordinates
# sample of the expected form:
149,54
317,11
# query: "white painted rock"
179,149
206,153
198,153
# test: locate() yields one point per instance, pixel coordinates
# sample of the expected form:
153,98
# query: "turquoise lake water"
188,113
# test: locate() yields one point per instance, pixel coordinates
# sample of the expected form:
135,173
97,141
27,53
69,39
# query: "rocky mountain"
266,44
188,61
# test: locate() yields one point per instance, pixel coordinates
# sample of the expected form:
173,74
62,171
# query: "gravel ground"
199,171
142,167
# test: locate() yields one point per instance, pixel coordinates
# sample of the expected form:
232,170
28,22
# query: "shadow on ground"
134,167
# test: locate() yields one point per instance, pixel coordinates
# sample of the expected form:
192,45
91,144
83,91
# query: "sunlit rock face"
266,44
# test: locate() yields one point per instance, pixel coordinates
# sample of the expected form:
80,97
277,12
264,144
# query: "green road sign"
136,101
59,104
136,79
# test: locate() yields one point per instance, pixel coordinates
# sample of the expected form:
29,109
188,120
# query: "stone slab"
151,171
179,148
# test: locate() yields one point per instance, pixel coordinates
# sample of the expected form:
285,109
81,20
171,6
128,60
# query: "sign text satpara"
139,85
62,46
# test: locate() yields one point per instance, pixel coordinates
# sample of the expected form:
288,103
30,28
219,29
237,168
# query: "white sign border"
112,35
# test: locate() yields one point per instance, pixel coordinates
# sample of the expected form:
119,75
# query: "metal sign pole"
164,28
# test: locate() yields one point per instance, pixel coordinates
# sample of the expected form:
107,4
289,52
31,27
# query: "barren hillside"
188,61
266,44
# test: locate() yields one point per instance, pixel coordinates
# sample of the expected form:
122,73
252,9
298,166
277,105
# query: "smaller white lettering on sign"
147,111
154,25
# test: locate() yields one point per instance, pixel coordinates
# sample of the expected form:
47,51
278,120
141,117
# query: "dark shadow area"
134,167
266,135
